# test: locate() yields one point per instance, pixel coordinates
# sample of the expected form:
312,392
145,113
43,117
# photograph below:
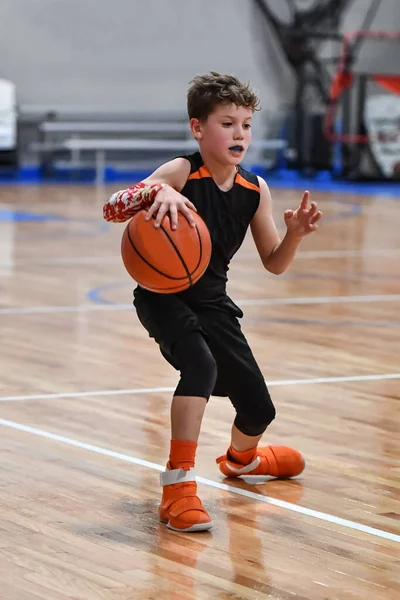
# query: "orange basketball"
164,260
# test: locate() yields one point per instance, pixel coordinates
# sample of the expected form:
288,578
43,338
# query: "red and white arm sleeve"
124,204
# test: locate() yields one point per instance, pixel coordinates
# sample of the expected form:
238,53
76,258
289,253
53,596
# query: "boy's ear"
196,128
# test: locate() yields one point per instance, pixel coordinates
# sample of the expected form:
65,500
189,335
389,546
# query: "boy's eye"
226,124
247,126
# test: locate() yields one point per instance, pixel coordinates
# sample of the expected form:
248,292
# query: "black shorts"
167,318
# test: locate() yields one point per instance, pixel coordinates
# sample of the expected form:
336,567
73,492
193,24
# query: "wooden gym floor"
84,404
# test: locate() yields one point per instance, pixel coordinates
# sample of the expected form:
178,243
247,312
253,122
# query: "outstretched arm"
276,254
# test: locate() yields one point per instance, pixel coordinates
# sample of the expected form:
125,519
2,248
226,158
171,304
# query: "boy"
197,330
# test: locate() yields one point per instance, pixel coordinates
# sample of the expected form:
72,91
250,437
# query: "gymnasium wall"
136,55
128,54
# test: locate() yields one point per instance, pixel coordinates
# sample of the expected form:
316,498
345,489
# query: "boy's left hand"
304,220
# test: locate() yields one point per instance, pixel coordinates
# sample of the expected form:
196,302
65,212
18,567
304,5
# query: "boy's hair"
209,90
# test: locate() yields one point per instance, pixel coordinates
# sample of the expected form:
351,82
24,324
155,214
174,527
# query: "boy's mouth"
236,148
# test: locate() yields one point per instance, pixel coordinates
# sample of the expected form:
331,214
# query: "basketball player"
198,330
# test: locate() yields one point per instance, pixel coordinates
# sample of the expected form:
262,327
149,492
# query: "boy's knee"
257,412
256,423
198,368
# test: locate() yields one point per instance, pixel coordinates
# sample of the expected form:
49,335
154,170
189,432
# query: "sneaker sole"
192,528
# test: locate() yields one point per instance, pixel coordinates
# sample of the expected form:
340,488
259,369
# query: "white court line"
31,310
36,310
319,300
99,260
85,394
313,254
156,390
221,486
62,260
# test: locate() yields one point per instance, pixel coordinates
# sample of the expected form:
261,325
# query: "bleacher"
72,139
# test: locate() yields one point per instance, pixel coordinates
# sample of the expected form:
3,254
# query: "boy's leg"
254,413
186,417
245,457
242,442
180,507
177,331
240,378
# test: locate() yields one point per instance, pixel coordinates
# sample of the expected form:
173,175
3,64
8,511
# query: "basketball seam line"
149,264
179,254
191,275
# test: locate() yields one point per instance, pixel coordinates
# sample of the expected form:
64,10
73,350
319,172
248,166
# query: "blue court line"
95,294
9,215
92,226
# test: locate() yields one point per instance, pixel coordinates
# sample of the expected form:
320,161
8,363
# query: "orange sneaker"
276,461
181,508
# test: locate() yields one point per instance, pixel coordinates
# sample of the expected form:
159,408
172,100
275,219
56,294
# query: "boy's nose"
238,134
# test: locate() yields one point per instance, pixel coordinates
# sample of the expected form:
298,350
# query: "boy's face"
226,134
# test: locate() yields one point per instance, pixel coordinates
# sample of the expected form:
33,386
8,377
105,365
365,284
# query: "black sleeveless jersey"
227,216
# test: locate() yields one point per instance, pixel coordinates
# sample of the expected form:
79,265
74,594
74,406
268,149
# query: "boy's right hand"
169,200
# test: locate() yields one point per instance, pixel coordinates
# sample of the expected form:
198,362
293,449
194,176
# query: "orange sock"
182,454
244,457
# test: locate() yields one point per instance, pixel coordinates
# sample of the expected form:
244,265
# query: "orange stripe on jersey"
200,174
243,182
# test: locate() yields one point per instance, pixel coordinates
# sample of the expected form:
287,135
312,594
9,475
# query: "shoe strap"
244,469
172,476
185,504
